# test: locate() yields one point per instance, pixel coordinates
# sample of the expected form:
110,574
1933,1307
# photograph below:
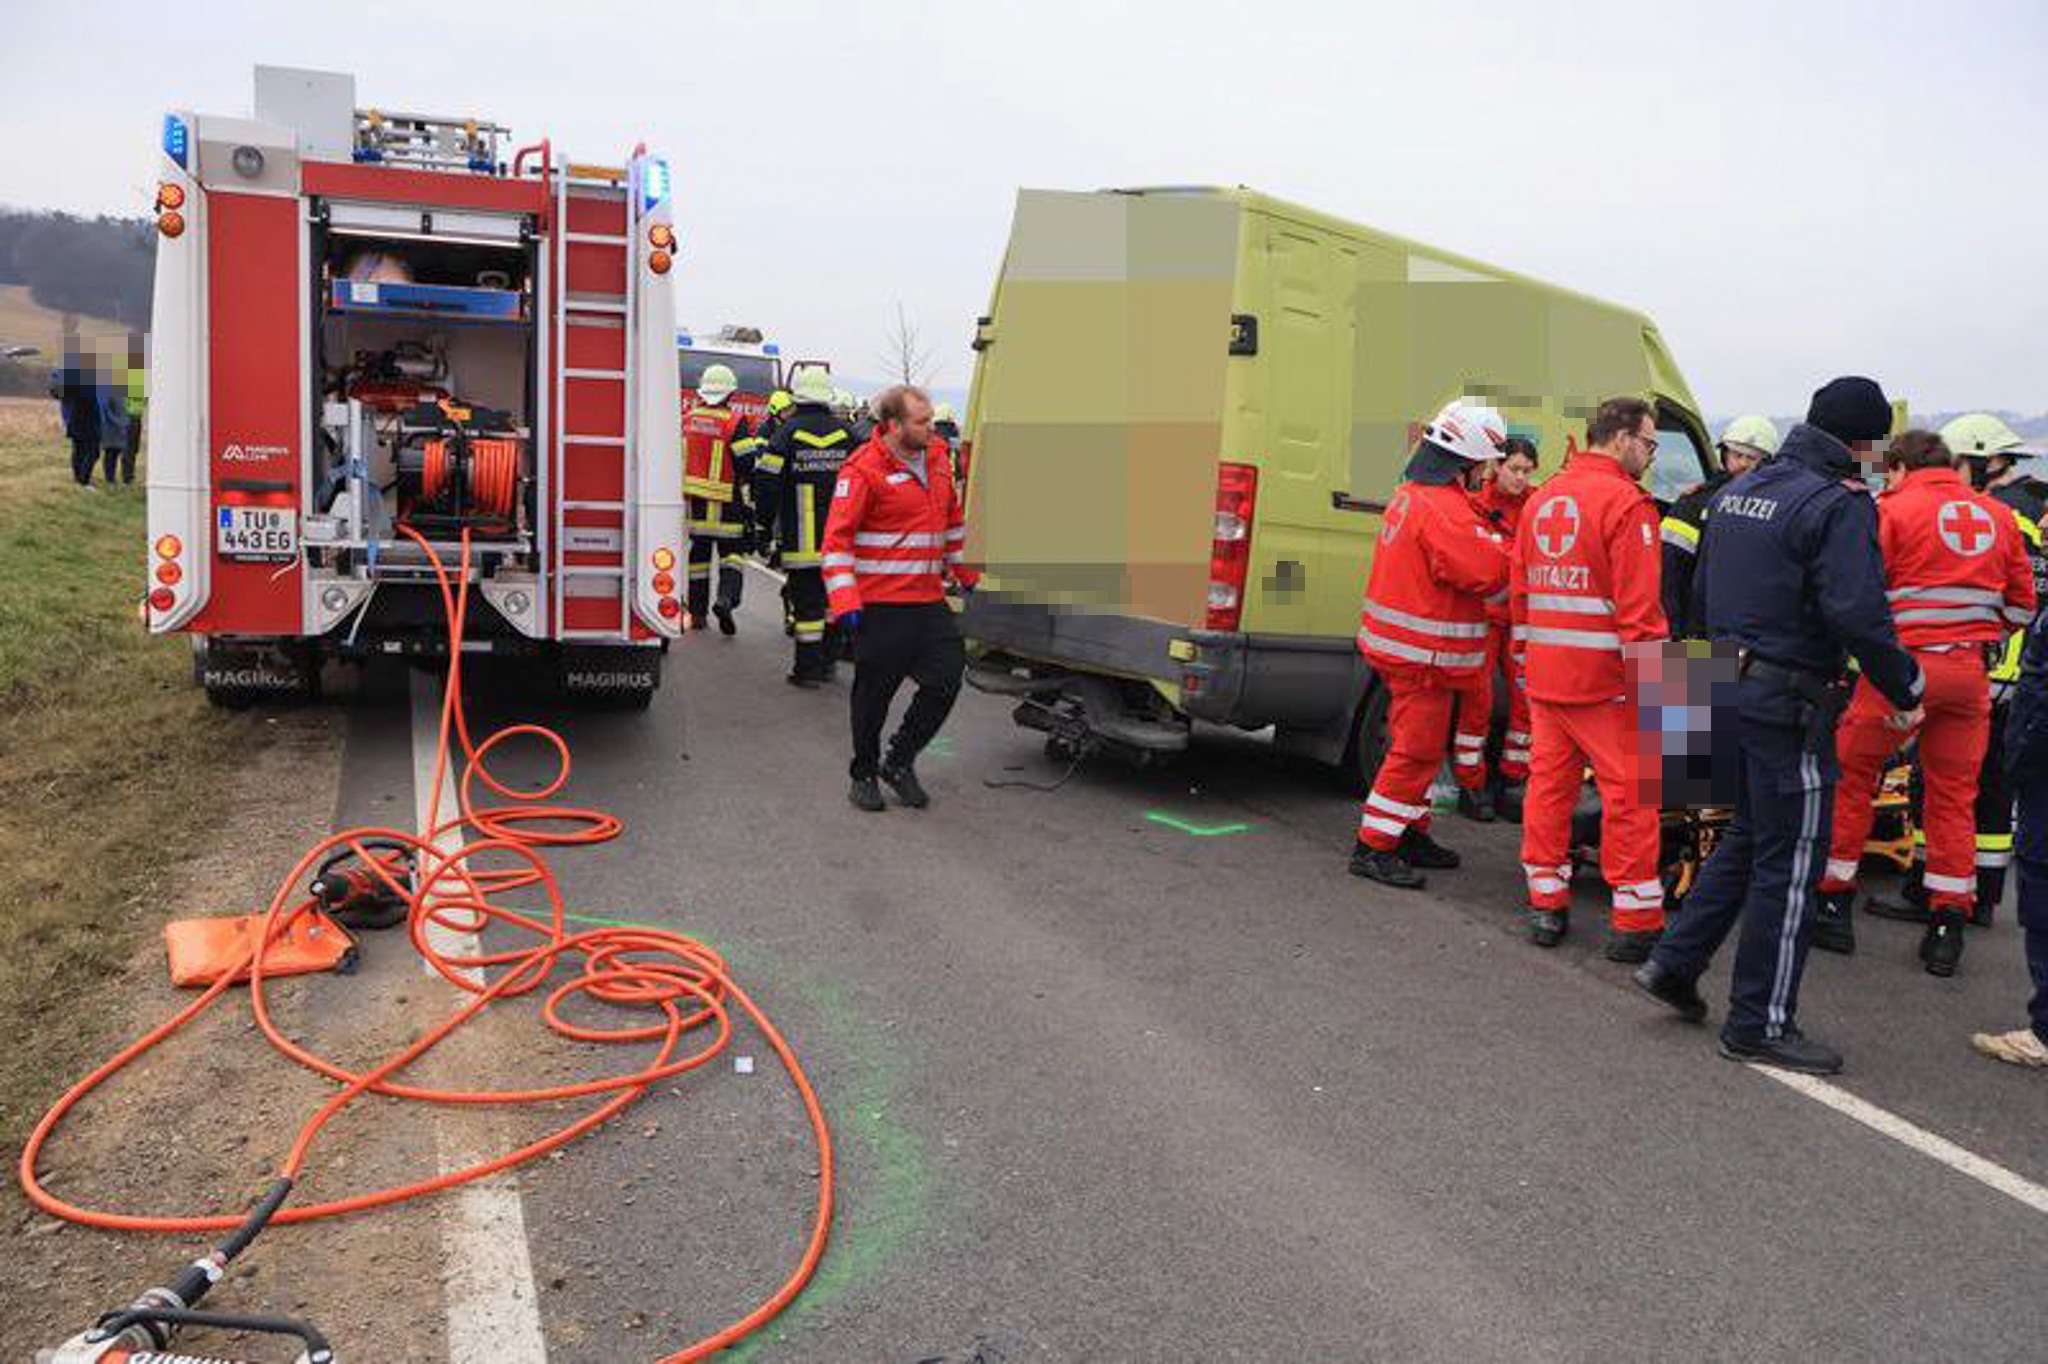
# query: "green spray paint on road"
880,1211
1198,830
877,1214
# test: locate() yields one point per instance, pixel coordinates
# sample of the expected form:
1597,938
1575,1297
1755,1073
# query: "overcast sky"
1790,190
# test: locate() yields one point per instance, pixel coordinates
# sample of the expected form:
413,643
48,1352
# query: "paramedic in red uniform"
1584,590
1501,501
893,537
1958,580
1424,632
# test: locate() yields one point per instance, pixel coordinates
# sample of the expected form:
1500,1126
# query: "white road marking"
486,1267
1985,1172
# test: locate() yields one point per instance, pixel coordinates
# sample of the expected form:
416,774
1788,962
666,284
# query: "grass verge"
112,762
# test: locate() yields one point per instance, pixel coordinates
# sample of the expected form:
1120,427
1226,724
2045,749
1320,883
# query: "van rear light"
1230,549
162,599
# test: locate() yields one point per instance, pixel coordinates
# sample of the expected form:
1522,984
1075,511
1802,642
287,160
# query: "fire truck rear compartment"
426,362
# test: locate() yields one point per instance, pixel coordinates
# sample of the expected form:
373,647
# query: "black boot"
1673,991
1911,906
1508,804
904,783
866,794
1793,1051
1941,951
1418,849
1547,927
1833,928
725,621
1990,890
1630,947
1476,806
1387,868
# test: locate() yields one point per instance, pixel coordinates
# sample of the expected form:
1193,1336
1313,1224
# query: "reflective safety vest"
707,451
1955,565
1584,581
1434,566
2006,670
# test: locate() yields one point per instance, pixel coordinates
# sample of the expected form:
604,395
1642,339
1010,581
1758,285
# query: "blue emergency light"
771,349
177,140
684,339
654,182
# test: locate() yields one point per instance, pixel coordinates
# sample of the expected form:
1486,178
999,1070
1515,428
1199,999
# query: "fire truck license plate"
257,532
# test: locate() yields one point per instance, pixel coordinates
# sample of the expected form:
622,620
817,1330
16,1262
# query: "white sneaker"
2020,1047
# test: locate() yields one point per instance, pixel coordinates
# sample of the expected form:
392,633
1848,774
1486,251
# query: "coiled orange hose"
682,978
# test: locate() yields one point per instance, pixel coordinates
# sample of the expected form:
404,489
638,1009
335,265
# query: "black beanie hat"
1851,409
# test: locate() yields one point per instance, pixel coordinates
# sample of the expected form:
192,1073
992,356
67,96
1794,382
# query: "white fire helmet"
1469,429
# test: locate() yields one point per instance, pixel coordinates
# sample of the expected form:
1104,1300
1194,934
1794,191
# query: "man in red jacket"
1957,577
1584,591
893,537
1424,631
1501,501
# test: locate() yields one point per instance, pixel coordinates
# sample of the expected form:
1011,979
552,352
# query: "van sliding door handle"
1344,501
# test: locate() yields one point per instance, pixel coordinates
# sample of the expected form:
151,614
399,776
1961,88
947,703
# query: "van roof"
1250,198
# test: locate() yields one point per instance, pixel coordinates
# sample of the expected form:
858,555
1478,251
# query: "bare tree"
908,359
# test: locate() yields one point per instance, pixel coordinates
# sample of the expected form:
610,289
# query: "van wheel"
1369,739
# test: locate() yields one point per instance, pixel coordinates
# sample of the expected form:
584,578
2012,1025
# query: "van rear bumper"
1307,686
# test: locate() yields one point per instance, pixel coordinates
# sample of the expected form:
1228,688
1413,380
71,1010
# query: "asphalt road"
1107,1088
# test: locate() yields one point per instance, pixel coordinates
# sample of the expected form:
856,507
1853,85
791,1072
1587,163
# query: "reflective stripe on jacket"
1585,580
708,437
1955,565
891,538
1435,564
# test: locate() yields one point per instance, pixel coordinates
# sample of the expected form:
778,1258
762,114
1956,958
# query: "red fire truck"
369,323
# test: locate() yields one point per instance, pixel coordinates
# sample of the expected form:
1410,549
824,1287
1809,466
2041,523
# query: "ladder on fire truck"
592,475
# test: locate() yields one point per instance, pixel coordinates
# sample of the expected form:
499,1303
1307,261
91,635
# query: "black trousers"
921,642
709,555
814,640
124,459
85,452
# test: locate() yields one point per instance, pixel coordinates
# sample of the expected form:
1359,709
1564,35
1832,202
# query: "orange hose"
682,978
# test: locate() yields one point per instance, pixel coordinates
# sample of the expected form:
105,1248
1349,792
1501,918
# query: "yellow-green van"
1189,406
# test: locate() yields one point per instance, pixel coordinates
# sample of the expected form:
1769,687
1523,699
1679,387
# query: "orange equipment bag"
202,949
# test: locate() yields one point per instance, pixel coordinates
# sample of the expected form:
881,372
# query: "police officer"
1745,443
793,482
2026,762
1789,573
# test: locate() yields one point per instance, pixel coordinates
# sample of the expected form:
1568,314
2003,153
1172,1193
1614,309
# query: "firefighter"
1992,450
1745,443
1423,630
778,406
793,481
1984,444
1957,577
1501,501
895,536
946,425
717,463
2025,761
1584,589
1790,575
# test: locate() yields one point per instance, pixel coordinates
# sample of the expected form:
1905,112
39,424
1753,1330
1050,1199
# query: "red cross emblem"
1557,526
1965,528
